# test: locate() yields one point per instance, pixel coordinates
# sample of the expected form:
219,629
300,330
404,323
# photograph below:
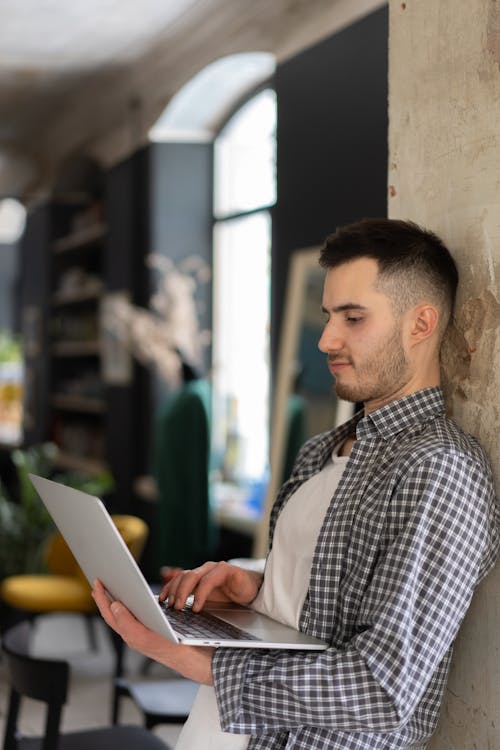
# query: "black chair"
47,680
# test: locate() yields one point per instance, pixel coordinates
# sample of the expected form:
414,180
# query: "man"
404,524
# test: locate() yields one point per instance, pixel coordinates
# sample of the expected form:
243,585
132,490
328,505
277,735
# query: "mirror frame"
301,261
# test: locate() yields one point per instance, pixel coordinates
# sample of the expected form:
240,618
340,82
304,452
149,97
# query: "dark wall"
181,198
181,210
332,141
34,300
127,211
9,254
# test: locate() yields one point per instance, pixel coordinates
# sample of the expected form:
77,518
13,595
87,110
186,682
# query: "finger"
184,588
218,577
116,610
186,584
167,587
128,627
168,573
123,618
231,582
103,603
100,596
170,589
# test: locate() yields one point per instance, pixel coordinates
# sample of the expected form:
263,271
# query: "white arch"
195,112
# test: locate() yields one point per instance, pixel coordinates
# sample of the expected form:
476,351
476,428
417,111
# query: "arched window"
244,193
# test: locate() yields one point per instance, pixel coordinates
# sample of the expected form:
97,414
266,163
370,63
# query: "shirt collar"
401,415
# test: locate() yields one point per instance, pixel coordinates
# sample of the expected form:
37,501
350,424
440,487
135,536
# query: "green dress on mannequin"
185,533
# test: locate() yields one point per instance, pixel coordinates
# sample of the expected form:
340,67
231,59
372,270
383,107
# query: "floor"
89,705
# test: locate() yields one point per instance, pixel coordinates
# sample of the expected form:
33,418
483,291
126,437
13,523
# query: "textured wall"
444,172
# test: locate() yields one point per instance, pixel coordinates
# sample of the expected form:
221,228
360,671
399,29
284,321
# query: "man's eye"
353,319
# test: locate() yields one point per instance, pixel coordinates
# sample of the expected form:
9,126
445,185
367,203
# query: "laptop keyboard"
204,625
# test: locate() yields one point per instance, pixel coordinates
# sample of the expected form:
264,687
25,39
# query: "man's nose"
330,340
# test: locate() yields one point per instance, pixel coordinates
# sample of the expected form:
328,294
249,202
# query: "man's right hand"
212,581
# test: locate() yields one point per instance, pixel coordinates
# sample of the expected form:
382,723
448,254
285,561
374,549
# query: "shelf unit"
78,404
87,241
77,399
81,238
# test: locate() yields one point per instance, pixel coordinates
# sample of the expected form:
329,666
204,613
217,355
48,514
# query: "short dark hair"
415,258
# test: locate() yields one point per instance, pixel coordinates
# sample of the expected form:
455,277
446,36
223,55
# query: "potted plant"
25,523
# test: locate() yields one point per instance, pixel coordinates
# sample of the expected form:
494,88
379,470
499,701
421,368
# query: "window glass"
245,155
244,190
241,346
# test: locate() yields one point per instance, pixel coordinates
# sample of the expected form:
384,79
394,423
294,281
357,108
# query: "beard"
382,373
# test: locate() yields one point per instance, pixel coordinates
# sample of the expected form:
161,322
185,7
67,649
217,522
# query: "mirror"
305,403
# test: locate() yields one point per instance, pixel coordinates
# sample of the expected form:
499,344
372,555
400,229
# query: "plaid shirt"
411,529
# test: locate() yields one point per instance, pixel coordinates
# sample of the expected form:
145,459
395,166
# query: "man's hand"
193,662
212,581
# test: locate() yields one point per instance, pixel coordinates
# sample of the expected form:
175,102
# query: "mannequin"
185,535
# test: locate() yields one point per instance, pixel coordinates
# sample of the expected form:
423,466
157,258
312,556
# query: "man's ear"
424,322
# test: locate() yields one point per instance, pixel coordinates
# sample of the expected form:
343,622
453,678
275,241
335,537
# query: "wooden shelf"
80,239
76,348
80,463
75,298
84,404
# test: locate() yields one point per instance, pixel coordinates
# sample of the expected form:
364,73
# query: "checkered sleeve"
419,591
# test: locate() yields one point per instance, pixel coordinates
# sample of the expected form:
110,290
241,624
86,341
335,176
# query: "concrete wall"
444,172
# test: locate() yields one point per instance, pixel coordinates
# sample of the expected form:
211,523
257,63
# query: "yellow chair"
64,587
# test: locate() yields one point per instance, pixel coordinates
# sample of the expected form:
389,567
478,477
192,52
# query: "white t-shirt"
281,595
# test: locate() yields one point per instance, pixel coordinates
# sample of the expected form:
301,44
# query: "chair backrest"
59,559
29,676
134,532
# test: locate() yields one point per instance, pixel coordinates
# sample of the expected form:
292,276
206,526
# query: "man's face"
362,338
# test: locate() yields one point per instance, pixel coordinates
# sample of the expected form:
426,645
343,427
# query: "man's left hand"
192,662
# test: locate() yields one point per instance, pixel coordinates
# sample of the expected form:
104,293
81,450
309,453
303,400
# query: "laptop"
101,553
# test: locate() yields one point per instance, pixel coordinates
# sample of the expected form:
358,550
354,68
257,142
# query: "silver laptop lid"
101,552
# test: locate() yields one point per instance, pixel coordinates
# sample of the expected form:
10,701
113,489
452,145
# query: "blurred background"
161,167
